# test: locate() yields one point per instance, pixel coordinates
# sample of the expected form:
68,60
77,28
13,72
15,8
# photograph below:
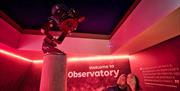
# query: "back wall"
158,67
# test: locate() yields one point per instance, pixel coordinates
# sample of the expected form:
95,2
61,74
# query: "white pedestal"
54,77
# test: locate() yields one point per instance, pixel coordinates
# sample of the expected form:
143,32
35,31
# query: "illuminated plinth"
53,77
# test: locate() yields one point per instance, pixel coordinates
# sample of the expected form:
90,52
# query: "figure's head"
122,80
72,12
59,10
132,80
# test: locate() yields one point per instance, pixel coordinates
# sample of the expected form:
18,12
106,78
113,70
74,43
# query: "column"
54,77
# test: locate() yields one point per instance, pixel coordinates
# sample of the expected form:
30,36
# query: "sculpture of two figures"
62,19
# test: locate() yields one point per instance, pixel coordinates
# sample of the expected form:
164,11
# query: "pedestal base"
53,77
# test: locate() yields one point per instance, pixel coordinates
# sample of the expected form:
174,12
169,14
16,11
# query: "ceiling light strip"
14,55
73,59
95,58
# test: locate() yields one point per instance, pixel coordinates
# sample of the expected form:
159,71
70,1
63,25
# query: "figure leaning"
62,19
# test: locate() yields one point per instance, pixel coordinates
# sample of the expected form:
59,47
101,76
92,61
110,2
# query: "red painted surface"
71,45
13,54
8,34
95,75
166,53
17,75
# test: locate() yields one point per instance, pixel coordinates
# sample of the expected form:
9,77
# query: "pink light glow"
96,58
14,55
37,61
72,59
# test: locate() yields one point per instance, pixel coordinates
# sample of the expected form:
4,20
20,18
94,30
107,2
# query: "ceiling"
102,16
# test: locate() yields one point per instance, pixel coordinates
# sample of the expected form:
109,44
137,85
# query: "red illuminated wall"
18,75
95,75
158,67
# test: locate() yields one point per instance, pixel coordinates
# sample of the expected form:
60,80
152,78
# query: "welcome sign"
95,75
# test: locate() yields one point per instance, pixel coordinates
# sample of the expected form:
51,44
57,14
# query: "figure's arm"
46,27
67,27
